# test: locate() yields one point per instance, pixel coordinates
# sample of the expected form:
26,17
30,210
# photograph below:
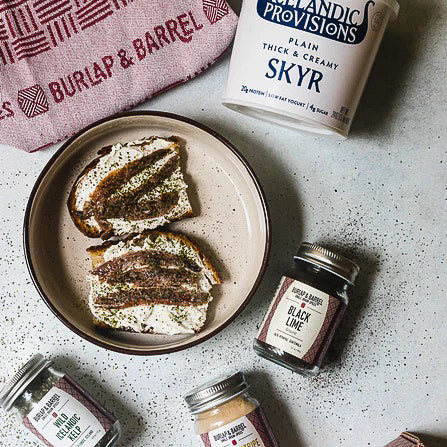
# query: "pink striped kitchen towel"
67,63
406,440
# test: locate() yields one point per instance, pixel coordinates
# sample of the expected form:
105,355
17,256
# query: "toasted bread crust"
82,225
100,325
97,251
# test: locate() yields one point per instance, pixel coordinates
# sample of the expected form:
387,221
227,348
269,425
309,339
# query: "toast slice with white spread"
129,188
156,282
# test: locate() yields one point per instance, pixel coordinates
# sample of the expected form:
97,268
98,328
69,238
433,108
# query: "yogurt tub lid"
393,5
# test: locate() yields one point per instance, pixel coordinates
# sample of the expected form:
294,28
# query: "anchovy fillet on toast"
156,282
129,188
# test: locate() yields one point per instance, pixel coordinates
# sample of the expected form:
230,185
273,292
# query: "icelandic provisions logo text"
321,17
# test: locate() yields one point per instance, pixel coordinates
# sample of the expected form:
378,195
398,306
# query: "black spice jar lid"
327,259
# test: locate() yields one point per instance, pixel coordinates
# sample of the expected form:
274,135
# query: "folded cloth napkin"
406,440
67,63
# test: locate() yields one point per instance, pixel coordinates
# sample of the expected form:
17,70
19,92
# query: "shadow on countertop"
278,414
235,5
388,82
359,295
432,441
132,424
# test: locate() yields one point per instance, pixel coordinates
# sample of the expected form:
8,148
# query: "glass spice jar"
306,310
226,415
56,409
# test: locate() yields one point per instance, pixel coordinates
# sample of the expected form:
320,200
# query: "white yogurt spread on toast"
156,318
119,156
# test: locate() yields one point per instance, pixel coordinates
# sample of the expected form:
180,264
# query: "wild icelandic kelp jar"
56,409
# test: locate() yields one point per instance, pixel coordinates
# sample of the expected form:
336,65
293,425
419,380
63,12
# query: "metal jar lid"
15,387
328,260
216,392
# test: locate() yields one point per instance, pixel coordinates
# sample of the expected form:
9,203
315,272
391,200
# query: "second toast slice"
156,282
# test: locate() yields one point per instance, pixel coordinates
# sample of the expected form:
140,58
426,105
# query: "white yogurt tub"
304,63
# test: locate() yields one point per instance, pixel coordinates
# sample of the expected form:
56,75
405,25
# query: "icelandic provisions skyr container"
304,63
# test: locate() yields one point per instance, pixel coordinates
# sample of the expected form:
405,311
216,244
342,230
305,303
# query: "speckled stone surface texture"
379,197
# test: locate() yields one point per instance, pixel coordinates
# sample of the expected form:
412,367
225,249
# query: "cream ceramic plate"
232,226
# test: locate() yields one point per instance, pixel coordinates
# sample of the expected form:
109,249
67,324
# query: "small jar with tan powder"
226,415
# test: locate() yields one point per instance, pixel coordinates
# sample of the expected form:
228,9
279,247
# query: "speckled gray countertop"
379,197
